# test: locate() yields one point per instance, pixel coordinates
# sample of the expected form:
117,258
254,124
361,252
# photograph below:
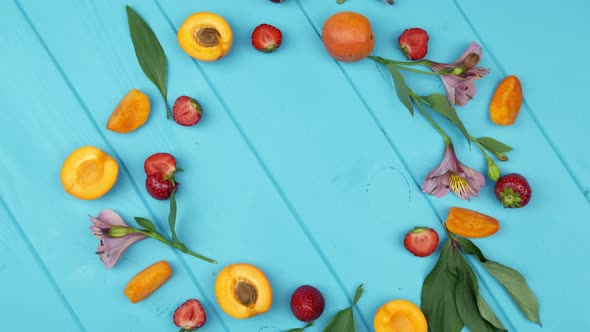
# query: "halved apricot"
205,36
400,316
243,291
131,113
88,173
468,223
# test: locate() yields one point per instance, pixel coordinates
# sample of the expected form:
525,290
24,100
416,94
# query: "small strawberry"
186,111
414,43
160,162
190,316
307,303
266,38
160,186
421,241
513,190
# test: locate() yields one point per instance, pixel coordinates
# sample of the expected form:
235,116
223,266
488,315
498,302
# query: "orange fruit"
88,173
506,102
205,36
348,36
131,113
468,223
243,291
400,315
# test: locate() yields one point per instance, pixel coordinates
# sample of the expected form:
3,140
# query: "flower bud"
501,156
121,231
471,60
493,171
458,71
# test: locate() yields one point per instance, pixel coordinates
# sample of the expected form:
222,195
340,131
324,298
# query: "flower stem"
418,71
381,60
180,246
474,140
419,100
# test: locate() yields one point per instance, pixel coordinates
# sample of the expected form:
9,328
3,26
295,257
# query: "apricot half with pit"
89,173
205,36
400,315
243,291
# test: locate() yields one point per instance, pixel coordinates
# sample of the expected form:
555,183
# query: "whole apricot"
243,291
88,173
205,36
348,36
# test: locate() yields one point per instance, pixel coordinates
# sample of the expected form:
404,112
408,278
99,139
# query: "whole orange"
348,36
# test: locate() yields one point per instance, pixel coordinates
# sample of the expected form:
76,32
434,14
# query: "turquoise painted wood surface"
304,166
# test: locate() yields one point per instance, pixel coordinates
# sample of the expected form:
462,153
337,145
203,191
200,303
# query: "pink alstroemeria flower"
460,84
451,174
111,248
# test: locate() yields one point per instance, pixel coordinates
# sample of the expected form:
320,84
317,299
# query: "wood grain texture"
304,166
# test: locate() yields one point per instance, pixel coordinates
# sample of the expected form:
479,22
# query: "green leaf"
438,293
440,104
146,224
486,312
344,319
172,217
342,322
518,289
401,88
149,53
493,145
470,248
310,324
466,294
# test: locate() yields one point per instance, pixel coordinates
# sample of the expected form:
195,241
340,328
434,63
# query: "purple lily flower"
451,174
460,82
115,236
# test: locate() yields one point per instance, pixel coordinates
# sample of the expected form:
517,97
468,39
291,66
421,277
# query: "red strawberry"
190,315
421,241
513,190
266,38
160,162
160,186
186,111
414,43
307,303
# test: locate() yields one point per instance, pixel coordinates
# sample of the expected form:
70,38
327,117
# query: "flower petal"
111,249
111,218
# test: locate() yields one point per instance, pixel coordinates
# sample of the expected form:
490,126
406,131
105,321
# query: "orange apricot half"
205,36
131,113
243,291
468,223
400,316
88,173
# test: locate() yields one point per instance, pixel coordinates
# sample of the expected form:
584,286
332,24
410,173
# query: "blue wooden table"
304,166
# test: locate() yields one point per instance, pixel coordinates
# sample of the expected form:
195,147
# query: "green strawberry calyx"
510,198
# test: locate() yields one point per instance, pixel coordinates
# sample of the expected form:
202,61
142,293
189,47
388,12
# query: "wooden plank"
239,215
523,240
553,75
25,286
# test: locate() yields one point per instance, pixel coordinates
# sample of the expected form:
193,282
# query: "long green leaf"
172,217
401,88
342,322
438,293
486,312
149,53
440,104
146,224
470,248
467,292
493,145
518,289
